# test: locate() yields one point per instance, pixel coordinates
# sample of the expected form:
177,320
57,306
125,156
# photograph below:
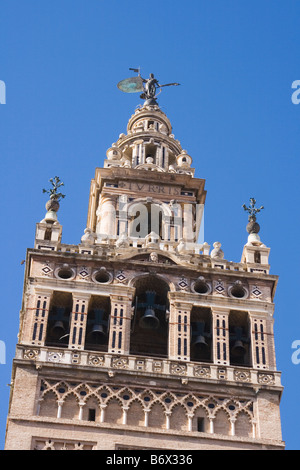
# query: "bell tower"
142,336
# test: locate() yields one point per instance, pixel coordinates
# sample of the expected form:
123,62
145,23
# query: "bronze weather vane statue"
147,86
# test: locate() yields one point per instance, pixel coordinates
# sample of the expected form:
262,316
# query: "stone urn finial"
217,252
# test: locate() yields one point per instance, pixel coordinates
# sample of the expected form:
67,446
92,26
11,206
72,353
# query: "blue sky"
236,61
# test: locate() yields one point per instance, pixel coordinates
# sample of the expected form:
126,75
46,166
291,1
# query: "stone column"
168,416
81,405
38,313
120,321
78,320
106,217
179,330
146,422
102,413
190,422
125,411
220,318
232,426
59,408
260,341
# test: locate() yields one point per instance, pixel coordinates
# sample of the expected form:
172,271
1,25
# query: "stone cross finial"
252,209
252,226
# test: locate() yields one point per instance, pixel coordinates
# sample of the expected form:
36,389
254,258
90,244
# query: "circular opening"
102,276
201,287
238,291
65,273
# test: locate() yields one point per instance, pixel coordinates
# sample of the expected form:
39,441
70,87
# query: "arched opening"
49,405
178,419
157,418
70,409
97,327
151,149
239,338
58,328
257,257
91,410
114,412
222,423
201,337
243,426
136,415
149,327
200,421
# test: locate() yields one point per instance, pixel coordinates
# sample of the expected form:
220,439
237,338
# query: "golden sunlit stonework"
141,337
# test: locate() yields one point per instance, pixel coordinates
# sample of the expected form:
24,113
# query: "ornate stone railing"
112,363
202,259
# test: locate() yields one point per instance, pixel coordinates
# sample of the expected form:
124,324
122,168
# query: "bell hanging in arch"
198,342
98,333
58,329
149,320
238,348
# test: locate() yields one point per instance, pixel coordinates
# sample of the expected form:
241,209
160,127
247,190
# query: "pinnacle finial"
252,226
53,192
252,209
52,205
